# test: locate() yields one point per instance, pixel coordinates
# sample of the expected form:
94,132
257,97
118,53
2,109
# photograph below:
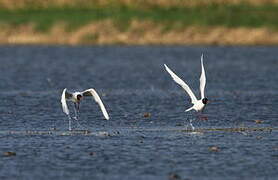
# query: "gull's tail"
189,109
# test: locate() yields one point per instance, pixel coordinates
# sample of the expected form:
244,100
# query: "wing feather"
202,79
68,95
92,92
64,103
182,84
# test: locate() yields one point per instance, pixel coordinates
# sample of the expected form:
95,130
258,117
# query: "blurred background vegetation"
236,22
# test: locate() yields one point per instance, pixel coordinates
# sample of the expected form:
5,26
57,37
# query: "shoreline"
139,33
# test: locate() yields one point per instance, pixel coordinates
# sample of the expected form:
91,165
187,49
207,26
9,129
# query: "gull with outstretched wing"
198,105
76,98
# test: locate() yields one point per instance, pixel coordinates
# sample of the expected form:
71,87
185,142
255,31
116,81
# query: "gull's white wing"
202,79
181,83
92,92
64,103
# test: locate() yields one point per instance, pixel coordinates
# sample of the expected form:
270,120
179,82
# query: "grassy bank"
241,15
116,19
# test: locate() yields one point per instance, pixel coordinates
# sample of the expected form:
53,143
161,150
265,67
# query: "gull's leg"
78,107
69,122
198,115
75,111
69,118
190,122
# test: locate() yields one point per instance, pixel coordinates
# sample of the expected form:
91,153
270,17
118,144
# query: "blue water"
242,84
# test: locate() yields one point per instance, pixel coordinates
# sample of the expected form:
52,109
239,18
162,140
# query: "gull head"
79,97
205,100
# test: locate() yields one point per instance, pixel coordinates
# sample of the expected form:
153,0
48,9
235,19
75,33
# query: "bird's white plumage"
182,84
98,100
76,97
202,79
198,105
67,96
64,103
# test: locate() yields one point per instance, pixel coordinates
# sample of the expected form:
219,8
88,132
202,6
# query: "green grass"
242,15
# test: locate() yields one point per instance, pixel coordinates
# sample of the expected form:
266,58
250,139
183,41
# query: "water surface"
241,84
